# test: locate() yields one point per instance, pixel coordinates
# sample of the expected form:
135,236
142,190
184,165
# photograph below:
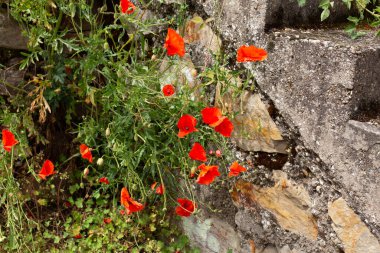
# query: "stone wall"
323,193
313,181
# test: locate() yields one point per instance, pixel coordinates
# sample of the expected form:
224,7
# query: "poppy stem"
71,157
162,185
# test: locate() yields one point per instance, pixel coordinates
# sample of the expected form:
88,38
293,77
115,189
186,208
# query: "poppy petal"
174,43
198,153
130,204
235,169
186,125
168,90
207,174
225,128
186,207
160,190
8,140
127,6
46,170
212,116
251,53
104,180
85,152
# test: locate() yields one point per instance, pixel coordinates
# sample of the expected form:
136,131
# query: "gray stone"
212,235
10,31
362,136
12,76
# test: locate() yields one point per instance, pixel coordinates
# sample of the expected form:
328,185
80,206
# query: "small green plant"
368,14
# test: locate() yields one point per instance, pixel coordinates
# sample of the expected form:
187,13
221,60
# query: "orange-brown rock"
254,128
353,233
290,205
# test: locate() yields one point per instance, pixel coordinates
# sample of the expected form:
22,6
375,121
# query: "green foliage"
96,79
371,8
301,2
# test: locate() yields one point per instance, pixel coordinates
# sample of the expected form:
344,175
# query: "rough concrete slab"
315,78
244,21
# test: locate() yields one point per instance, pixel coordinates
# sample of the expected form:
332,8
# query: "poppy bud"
211,152
103,8
218,153
100,161
192,172
108,132
194,72
85,172
106,46
154,57
42,202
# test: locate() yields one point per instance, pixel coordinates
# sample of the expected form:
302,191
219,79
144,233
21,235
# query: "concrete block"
245,21
318,80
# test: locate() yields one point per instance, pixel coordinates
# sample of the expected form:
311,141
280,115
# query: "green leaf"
361,5
325,14
375,23
197,20
73,188
352,32
79,203
347,3
325,4
354,20
301,2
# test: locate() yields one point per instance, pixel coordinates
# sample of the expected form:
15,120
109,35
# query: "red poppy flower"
85,152
212,116
107,220
251,53
198,152
78,236
104,180
130,204
168,90
186,207
174,43
122,212
9,140
207,174
160,190
127,6
66,204
235,169
47,170
225,128
186,125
